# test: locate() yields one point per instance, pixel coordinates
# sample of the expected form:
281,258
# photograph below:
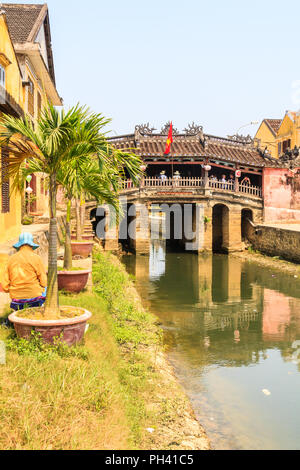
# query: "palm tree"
84,180
57,139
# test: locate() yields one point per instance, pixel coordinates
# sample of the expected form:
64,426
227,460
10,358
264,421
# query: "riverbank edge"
176,426
116,391
276,263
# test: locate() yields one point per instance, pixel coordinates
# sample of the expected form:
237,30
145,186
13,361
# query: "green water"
231,329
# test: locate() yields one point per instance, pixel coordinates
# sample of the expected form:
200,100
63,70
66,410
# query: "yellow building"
278,135
11,102
29,27
267,134
27,84
288,133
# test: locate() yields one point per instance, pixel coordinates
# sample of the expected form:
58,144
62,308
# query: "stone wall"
275,241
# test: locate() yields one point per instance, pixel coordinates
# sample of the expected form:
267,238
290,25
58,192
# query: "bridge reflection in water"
230,328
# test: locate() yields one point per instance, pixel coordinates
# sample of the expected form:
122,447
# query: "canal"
231,329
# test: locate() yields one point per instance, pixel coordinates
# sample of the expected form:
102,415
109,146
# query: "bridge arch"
220,228
247,214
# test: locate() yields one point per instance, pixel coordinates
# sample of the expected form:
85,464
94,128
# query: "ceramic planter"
83,249
86,236
73,281
70,331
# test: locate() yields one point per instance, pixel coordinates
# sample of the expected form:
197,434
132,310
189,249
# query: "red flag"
170,140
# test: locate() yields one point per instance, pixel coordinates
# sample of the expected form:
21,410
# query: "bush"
27,220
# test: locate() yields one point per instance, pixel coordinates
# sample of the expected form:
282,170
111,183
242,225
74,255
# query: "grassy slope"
104,394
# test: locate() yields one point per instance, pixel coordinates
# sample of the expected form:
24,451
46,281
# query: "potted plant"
74,180
57,139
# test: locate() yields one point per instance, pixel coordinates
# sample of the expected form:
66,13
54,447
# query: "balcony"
8,104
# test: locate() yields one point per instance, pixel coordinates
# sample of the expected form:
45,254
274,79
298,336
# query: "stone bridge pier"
202,222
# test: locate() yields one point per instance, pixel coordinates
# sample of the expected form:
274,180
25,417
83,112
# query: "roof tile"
21,20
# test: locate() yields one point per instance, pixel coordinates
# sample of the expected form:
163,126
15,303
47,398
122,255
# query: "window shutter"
39,104
31,98
5,187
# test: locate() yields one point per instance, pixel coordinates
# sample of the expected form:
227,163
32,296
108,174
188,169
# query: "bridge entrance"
247,215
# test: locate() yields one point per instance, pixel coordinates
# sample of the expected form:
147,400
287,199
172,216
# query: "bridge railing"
216,184
194,183
252,190
173,182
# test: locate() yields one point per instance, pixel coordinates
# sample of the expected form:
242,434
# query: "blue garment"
17,305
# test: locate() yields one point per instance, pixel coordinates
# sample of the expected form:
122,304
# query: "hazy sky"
219,63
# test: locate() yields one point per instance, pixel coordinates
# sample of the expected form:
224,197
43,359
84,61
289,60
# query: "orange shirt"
25,275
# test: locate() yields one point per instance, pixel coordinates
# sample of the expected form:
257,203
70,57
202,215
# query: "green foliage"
252,250
65,146
27,220
207,220
130,324
41,351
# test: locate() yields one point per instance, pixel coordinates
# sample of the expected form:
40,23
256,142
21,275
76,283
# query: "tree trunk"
52,303
78,221
82,213
68,246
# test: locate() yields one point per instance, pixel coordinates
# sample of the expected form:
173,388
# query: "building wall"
13,76
281,195
40,100
267,139
287,131
10,223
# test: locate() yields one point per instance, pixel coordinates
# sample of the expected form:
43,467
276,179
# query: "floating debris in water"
266,392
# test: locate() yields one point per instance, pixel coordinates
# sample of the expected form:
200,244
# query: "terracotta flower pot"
83,249
88,237
36,214
73,281
71,330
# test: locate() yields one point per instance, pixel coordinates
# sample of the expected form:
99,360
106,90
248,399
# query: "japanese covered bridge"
228,181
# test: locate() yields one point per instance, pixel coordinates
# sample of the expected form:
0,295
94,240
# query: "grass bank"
115,392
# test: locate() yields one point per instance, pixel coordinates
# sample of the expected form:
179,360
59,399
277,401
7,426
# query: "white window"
2,76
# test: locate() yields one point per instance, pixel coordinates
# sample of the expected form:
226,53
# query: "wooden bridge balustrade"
194,183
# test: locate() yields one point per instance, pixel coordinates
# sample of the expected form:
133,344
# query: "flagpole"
169,148
172,167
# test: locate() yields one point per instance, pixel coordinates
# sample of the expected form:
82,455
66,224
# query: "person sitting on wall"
25,275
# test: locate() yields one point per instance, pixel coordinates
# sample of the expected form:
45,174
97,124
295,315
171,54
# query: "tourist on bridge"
177,177
163,176
25,276
231,181
224,181
246,181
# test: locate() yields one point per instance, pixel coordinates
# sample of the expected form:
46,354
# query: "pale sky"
219,63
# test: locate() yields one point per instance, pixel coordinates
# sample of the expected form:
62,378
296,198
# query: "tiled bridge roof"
200,145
